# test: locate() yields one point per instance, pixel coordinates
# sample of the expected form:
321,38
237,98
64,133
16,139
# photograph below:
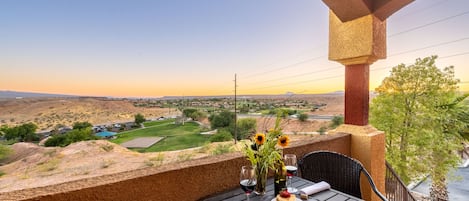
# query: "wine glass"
247,180
290,164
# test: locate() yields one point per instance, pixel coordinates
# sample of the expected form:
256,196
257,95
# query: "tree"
422,132
302,117
82,125
452,119
223,119
139,119
245,128
188,111
23,133
194,114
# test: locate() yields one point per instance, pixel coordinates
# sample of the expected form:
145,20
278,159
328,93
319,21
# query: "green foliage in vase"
263,151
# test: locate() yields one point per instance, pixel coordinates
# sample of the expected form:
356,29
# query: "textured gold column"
357,38
360,41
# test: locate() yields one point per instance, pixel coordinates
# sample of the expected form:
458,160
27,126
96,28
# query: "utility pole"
182,110
235,116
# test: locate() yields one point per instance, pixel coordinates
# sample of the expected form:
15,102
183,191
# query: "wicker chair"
340,171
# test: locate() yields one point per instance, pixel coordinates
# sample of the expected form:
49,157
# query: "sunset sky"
152,48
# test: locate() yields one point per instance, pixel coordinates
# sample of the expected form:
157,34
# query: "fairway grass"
176,137
156,123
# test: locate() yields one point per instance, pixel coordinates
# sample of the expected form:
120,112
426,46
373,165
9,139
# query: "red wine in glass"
247,185
291,170
291,166
247,180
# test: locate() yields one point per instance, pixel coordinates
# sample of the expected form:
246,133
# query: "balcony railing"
396,190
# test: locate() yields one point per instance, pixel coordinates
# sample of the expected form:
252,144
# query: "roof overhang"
347,10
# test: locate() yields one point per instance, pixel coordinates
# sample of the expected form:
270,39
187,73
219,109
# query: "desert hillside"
48,112
32,166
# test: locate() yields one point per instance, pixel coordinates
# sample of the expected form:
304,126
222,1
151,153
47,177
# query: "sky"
154,48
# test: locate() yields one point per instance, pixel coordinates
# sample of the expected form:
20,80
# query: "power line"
428,24
423,9
390,36
454,55
337,67
300,53
298,75
341,75
300,82
430,46
285,67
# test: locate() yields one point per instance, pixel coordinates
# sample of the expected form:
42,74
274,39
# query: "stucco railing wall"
186,181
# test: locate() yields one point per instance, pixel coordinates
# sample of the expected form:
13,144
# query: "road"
310,117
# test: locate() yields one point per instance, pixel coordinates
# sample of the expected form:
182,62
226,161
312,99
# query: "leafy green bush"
283,112
4,151
302,117
337,121
221,136
63,140
82,125
245,128
322,130
224,119
23,133
139,118
57,140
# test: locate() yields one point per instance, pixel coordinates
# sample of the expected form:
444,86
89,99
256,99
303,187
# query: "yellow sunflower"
260,138
283,141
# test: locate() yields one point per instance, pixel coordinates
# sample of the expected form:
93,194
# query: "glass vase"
261,176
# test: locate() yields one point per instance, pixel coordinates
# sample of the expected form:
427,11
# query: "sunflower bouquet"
264,151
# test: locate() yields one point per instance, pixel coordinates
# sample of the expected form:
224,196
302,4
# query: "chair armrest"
373,186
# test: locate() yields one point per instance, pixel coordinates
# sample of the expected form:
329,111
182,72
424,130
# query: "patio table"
237,194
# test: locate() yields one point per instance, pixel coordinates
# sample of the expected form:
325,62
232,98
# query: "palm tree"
454,122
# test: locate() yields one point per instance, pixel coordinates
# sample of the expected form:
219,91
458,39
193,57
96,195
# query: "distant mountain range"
5,94
19,94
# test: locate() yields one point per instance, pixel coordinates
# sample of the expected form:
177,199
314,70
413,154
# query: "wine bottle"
280,177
